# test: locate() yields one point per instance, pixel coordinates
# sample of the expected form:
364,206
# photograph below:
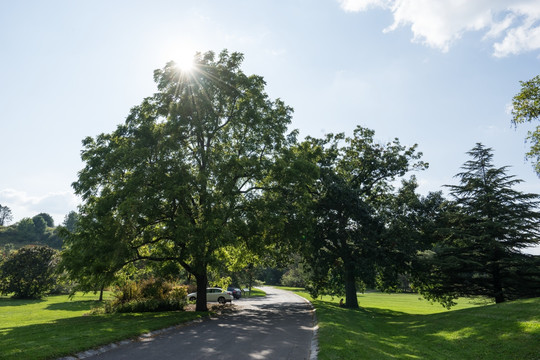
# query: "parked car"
235,292
213,294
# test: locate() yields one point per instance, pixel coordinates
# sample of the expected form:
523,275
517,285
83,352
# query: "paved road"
279,326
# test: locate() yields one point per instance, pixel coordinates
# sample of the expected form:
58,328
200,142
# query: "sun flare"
185,61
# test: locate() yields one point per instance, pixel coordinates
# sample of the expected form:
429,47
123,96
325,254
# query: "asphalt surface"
278,326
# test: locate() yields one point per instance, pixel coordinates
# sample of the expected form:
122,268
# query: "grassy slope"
57,326
402,326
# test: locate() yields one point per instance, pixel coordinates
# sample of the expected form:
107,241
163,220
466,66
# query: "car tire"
193,298
221,300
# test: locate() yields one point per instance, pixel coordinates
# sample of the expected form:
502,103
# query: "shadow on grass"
4,301
504,331
67,336
78,305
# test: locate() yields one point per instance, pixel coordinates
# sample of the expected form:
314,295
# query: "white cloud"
519,39
513,25
24,205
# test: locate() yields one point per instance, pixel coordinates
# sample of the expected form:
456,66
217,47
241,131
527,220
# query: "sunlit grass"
58,326
255,293
402,326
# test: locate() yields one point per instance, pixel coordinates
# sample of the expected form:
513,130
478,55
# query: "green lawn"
402,326
388,326
58,326
255,293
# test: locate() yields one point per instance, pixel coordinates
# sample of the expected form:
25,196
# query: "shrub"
148,295
127,292
155,289
178,292
28,273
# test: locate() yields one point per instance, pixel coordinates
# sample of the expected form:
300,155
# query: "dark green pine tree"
489,225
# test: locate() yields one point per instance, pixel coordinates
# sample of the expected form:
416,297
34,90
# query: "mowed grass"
404,326
58,326
255,293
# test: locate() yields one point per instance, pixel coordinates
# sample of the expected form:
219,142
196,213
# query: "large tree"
347,241
177,181
526,108
488,225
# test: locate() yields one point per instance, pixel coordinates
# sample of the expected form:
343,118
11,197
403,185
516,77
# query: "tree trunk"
351,300
101,292
497,284
202,280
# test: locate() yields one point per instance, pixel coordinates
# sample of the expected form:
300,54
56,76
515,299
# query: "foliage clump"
147,296
526,108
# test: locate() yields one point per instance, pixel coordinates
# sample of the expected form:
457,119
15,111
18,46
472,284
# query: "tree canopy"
179,179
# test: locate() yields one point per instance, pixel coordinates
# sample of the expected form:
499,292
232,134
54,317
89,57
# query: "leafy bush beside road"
147,295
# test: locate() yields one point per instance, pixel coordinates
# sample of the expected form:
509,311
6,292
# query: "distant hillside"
20,237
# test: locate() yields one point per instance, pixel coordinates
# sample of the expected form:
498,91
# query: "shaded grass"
402,326
58,326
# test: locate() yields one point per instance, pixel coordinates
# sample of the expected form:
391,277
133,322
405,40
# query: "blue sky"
440,74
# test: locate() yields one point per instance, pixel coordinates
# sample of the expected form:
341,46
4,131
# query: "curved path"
278,326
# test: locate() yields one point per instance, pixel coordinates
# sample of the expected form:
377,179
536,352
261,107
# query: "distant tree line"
38,230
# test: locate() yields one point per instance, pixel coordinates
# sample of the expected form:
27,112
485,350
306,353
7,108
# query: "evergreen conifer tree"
488,226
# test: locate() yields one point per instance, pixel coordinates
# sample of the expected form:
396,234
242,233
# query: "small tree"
70,221
27,230
90,258
488,225
40,224
29,272
48,219
5,215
